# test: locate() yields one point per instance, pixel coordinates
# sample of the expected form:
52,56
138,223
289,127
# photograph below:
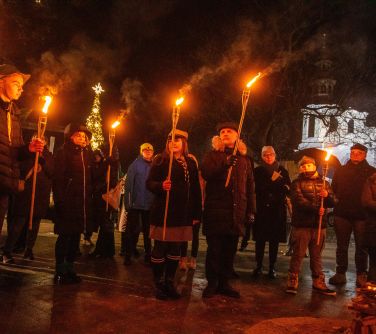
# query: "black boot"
225,289
171,267
257,271
160,288
210,290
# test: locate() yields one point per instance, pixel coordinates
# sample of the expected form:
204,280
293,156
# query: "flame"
328,154
115,124
48,100
179,101
249,84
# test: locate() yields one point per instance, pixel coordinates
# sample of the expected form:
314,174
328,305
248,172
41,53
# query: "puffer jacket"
348,182
227,210
136,195
306,201
11,151
369,204
72,188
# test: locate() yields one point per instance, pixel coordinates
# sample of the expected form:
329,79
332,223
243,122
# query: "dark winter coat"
347,184
72,188
136,195
43,186
10,151
306,201
185,196
369,204
227,210
100,216
270,222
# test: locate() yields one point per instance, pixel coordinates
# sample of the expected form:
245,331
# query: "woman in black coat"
72,188
184,210
272,183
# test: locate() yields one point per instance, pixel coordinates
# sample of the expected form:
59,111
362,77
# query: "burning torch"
42,124
245,98
111,140
324,173
175,118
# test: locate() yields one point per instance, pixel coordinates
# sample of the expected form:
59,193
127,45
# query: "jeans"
301,238
343,229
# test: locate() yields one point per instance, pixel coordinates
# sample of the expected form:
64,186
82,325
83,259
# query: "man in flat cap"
227,209
12,147
349,215
138,200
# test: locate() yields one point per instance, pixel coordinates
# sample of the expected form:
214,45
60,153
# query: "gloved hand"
231,160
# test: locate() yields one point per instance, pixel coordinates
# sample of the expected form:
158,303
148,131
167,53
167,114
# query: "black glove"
231,160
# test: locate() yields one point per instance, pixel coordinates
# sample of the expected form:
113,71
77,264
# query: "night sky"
143,52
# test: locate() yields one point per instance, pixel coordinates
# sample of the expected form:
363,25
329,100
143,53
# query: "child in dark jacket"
306,193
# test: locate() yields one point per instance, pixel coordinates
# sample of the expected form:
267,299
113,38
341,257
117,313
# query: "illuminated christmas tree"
94,121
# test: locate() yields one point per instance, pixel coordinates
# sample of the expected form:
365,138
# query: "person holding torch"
184,210
307,191
12,147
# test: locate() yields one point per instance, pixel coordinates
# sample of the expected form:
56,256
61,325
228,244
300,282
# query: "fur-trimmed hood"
218,145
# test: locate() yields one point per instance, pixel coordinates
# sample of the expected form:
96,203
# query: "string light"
94,121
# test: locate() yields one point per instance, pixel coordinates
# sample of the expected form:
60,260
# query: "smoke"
131,94
85,62
238,53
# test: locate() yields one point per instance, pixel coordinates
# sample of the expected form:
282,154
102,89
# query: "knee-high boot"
171,267
158,274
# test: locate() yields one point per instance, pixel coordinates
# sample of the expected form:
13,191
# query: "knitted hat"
226,125
179,134
306,160
358,146
146,146
7,70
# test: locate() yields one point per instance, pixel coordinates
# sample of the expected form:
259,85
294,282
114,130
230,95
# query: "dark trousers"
220,257
372,264
195,242
260,250
137,221
15,231
105,245
4,200
247,235
343,229
66,248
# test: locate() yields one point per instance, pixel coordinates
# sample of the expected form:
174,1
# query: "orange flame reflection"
249,84
48,100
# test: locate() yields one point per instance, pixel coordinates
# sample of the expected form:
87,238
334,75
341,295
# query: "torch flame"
115,124
179,101
328,154
249,84
48,100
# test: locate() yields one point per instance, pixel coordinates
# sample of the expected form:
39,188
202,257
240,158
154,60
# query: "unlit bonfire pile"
364,305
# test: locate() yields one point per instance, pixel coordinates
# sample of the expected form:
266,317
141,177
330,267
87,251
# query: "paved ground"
117,299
